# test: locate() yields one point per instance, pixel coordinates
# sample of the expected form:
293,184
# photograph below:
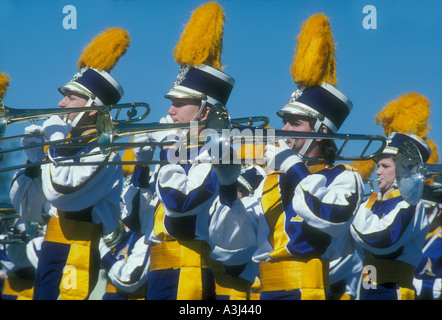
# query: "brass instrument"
411,172
8,217
228,133
370,183
9,231
10,116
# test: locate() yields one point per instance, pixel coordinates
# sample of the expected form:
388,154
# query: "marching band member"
345,271
177,226
124,256
124,253
235,274
388,231
428,273
19,273
81,201
305,208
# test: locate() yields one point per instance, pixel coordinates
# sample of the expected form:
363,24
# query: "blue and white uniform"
389,234
303,220
126,258
82,203
127,266
19,271
345,276
428,273
234,270
175,219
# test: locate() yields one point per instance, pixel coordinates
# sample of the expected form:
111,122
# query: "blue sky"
374,66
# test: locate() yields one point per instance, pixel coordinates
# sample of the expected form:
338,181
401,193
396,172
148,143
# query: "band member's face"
184,110
72,100
386,172
294,123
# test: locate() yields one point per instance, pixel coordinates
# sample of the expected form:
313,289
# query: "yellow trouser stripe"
188,256
82,238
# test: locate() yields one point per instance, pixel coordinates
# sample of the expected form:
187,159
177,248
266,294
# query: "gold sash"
312,277
82,238
190,256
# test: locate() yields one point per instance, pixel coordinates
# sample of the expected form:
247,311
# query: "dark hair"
384,156
327,147
328,150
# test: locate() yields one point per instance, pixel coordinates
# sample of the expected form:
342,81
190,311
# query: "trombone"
370,183
109,130
8,217
411,172
10,116
8,229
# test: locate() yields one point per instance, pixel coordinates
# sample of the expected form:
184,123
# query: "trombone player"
304,208
178,216
389,232
79,204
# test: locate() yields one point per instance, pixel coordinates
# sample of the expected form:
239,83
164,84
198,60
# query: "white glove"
165,135
34,154
280,157
56,129
227,173
144,153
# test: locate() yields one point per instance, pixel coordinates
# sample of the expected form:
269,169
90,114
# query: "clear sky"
374,66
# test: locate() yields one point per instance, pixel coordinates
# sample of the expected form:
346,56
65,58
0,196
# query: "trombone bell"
411,172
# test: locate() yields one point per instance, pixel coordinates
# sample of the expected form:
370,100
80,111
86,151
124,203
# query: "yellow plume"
314,61
4,83
434,157
104,51
364,167
201,40
407,114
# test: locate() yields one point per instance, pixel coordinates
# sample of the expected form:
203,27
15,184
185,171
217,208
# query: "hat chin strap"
81,114
203,105
308,142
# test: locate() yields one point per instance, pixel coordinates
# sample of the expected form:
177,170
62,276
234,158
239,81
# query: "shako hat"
406,118
314,71
395,140
198,52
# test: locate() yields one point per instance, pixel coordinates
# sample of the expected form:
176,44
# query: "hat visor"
293,110
75,88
